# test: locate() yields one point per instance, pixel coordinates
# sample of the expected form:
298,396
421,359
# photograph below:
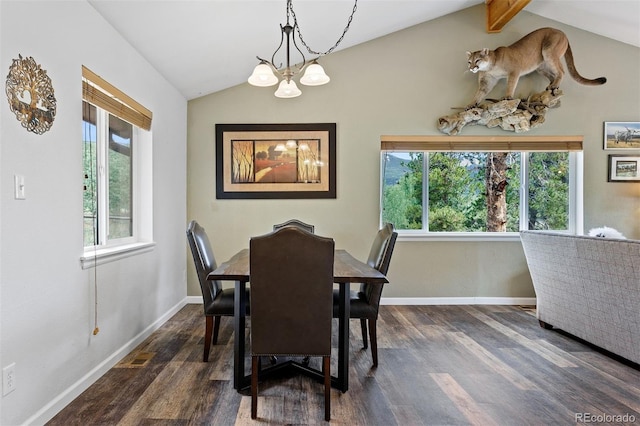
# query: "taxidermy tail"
568,57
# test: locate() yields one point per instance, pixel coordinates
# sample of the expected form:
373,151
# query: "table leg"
240,304
343,337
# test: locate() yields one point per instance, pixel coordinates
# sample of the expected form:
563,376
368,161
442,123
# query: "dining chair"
365,302
295,222
309,228
291,301
218,301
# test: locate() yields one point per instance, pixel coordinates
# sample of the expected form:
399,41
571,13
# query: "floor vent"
137,360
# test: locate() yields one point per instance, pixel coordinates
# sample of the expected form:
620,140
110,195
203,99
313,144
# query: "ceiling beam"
499,12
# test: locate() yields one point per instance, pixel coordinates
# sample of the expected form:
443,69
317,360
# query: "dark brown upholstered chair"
291,301
218,301
309,228
365,302
295,222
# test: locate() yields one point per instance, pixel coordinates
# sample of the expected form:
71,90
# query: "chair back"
295,222
379,258
291,293
204,261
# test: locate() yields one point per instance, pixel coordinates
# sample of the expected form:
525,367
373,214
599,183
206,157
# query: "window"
117,173
108,171
435,186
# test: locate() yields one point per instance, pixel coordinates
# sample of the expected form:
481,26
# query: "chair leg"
326,368
207,337
254,386
216,328
363,326
374,341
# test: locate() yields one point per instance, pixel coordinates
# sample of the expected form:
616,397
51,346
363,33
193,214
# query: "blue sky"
622,126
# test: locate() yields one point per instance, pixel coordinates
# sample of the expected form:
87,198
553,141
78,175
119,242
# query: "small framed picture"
622,135
624,168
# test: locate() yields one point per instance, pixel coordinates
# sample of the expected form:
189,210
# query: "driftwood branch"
516,115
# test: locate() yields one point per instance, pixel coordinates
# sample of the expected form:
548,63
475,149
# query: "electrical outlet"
8,379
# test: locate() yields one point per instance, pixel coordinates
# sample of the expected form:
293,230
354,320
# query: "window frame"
141,241
103,182
523,145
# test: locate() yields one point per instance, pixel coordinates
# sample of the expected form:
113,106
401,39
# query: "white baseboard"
436,300
47,412
458,301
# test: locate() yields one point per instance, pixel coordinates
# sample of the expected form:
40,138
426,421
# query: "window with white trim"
117,203
480,186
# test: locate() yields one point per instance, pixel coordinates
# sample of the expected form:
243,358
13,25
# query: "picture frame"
270,161
622,135
624,168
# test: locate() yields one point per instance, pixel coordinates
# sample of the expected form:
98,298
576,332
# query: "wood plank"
463,400
500,12
516,337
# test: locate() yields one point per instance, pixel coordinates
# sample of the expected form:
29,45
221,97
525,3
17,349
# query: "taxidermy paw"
555,90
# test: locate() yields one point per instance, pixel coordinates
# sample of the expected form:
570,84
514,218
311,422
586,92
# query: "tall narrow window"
90,161
120,178
116,166
108,169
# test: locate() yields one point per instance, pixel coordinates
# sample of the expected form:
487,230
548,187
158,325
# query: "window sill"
458,236
92,258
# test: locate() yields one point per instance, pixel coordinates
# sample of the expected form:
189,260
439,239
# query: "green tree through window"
457,185
108,172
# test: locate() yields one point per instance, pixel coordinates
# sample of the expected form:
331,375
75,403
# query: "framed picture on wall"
276,160
622,135
624,168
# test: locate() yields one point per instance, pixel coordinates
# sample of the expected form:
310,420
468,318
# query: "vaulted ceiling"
202,47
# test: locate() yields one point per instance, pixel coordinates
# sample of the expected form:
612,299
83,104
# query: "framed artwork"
624,168
622,135
276,160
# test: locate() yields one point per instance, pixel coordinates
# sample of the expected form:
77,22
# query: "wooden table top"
346,269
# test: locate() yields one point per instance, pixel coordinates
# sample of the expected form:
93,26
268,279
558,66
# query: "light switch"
19,187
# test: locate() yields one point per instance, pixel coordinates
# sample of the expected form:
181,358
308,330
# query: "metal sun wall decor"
30,95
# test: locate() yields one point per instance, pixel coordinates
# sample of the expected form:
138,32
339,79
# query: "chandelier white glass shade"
314,75
288,89
266,74
262,76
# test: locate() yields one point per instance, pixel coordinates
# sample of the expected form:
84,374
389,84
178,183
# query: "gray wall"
401,84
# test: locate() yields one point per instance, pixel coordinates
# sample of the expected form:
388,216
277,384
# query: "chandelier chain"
297,27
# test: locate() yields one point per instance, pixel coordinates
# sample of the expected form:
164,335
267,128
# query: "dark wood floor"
439,365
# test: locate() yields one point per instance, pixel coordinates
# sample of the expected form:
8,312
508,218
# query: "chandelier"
267,74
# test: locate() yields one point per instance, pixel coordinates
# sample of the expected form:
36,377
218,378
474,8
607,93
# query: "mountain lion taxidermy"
540,50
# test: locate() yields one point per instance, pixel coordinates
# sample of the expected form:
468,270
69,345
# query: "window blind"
102,94
481,143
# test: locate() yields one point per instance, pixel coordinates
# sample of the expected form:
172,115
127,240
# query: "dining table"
346,270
